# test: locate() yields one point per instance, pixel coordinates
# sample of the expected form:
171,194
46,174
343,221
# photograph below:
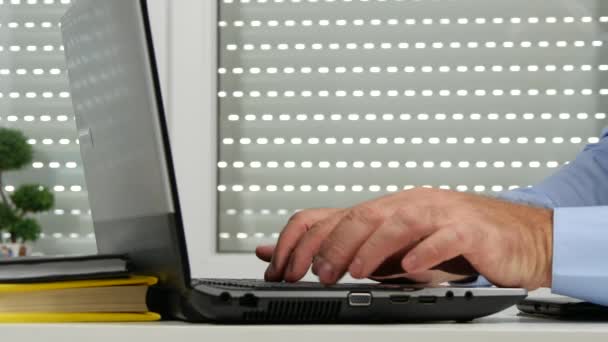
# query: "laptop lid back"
123,136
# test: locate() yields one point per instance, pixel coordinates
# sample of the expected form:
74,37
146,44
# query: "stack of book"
73,289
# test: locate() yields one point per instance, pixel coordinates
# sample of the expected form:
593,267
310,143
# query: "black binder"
42,269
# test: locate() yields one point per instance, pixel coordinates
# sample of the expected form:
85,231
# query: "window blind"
326,103
34,97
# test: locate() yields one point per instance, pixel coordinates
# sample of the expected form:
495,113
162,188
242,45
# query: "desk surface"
505,326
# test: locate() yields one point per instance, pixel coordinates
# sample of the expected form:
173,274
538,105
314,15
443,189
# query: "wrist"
546,228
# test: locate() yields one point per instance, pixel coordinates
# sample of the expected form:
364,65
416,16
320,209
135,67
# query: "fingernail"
316,262
326,272
356,268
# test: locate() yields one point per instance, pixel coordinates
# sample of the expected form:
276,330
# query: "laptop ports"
359,299
399,299
248,300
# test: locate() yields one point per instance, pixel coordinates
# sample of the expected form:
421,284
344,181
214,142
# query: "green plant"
16,209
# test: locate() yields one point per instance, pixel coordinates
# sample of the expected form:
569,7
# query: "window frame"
191,103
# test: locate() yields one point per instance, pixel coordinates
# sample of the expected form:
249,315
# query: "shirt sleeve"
580,256
578,194
581,183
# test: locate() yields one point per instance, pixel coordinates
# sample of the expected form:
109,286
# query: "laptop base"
237,302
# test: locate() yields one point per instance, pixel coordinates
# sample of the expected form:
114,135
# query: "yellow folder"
51,317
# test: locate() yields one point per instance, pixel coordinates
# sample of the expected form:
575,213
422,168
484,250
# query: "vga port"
359,299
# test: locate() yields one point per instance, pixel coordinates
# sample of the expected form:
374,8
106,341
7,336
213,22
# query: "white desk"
505,326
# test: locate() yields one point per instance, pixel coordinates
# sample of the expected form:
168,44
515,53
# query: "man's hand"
414,232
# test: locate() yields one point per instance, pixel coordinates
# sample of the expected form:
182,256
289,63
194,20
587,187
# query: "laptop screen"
123,136
116,113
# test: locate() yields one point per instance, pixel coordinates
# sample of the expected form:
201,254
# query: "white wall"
159,19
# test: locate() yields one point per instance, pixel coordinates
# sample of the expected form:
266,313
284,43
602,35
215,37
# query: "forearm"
580,230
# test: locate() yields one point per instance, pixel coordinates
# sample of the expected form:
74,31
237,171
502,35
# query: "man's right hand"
415,232
297,227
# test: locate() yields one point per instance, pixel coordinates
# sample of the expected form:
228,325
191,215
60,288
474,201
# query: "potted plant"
17,208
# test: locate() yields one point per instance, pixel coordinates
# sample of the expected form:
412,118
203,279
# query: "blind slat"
419,81
64,176
405,33
384,176
415,9
500,127
419,104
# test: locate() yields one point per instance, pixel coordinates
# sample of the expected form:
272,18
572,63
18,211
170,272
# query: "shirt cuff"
580,253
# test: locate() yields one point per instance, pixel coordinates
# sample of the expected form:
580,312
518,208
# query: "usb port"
399,299
359,299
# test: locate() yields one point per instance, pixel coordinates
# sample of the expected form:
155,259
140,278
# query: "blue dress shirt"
578,193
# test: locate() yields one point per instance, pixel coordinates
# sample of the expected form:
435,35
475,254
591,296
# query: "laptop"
135,204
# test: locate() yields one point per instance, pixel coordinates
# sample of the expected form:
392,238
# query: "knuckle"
366,214
300,216
404,215
319,230
416,191
432,215
313,240
423,191
432,252
317,227
410,218
460,237
429,197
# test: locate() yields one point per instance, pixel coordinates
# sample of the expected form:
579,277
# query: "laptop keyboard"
258,284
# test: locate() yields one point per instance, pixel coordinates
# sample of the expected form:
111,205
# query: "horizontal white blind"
34,97
328,103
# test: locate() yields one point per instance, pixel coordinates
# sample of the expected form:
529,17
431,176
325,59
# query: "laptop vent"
296,311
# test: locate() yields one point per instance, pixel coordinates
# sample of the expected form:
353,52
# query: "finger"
308,246
296,227
264,253
337,252
399,232
442,246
